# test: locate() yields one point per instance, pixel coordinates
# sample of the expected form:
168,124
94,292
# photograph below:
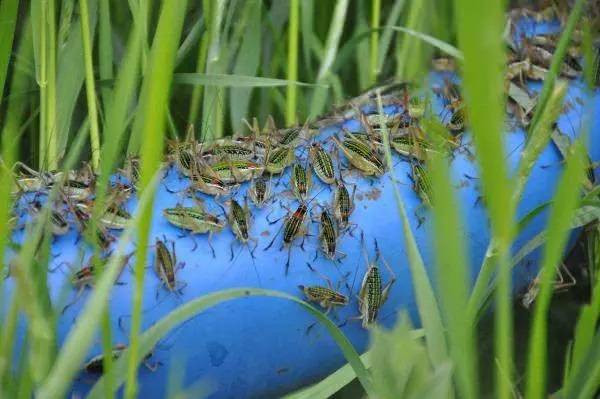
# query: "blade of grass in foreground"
149,124
479,27
160,329
452,267
426,302
8,22
561,212
224,80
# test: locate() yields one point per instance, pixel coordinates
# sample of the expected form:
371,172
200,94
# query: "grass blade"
374,42
331,47
292,63
452,268
437,43
105,50
90,84
224,80
149,124
427,305
247,62
561,213
386,36
160,329
8,22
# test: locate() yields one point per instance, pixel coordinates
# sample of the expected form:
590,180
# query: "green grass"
152,68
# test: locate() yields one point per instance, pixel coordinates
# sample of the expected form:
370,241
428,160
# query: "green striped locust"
230,150
278,159
58,223
421,183
208,183
196,220
410,143
326,297
234,172
343,204
294,227
321,163
328,235
239,221
165,265
360,155
301,182
373,294
260,191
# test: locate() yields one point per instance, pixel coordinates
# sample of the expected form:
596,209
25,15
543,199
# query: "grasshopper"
30,180
165,265
328,235
458,120
239,220
301,182
326,297
131,170
233,172
59,224
75,190
321,163
343,204
559,285
115,217
278,159
96,364
411,145
209,183
231,150
195,219
360,155
260,191
421,183
293,227
373,294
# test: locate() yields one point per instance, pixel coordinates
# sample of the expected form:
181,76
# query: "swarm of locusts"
217,171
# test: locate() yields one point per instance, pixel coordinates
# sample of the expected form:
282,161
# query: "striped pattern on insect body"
29,180
165,265
360,155
301,182
195,219
260,191
208,183
421,183
416,107
278,159
458,120
131,171
343,204
321,163
116,217
373,294
326,297
411,145
231,150
75,190
328,235
233,172
239,221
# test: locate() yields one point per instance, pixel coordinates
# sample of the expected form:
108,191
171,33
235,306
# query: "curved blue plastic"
259,347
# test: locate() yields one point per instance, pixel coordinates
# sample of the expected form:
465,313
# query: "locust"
233,172
458,119
115,217
360,155
208,183
231,150
293,227
559,284
301,182
195,219
131,170
373,294
100,235
326,297
96,364
59,225
239,220
75,190
411,145
321,163
260,191
278,159
421,183
165,265
30,180
328,235
343,204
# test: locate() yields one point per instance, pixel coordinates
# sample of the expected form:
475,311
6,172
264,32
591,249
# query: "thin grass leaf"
331,47
386,36
8,22
357,47
190,39
439,385
160,329
437,43
292,63
90,84
452,269
584,379
105,50
561,212
307,9
247,62
427,305
374,42
149,124
224,80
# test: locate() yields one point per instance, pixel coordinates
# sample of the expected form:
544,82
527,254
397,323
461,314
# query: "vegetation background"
95,79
